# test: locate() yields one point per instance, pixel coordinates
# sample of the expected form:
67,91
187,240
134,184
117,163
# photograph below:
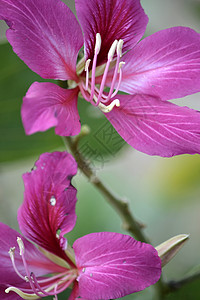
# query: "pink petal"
37,262
46,105
113,265
45,35
49,201
10,296
165,64
113,19
156,127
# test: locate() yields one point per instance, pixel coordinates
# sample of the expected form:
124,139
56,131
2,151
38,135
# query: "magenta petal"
45,35
46,105
37,262
156,127
10,296
49,201
113,19
165,64
114,265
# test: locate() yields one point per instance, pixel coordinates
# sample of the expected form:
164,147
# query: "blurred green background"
163,193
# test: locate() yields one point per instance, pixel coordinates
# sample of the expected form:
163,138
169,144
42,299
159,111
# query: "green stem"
120,205
176,285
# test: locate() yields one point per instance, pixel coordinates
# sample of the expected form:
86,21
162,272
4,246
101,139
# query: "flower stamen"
118,67
87,73
12,257
120,79
96,52
110,57
90,92
22,251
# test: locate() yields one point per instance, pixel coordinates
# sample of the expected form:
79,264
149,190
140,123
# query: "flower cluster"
102,265
47,37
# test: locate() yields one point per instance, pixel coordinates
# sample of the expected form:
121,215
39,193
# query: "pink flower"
100,265
166,65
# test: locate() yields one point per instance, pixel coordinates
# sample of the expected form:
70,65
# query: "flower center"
90,91
44,286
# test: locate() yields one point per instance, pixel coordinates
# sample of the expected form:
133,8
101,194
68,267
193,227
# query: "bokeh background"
163,192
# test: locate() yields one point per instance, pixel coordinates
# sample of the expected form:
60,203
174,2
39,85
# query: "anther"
87,73
98,43
112,50
121,65
12,257
21,245
87,64
96,52
12,252
119,47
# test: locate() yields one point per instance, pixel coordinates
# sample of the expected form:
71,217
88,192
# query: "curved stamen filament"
83,92
103,96
120,79
38,286
50,279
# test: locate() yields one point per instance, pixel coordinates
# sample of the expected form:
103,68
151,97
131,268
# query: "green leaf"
15,78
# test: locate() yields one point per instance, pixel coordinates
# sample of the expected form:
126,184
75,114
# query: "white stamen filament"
119,82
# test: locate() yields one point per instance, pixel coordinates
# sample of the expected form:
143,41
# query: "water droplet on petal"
91,274
53,201
83,270
124,261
